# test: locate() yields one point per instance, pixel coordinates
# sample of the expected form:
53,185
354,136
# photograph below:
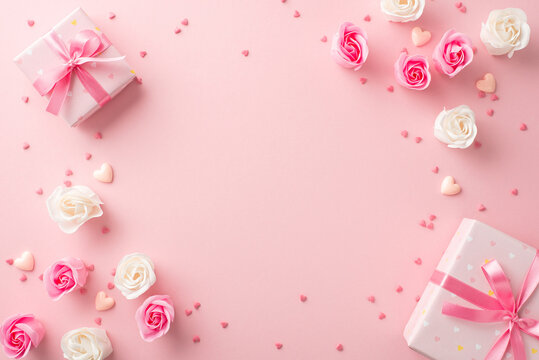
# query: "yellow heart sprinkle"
460,348
98,29
490,292
487,261
132,71
74,22
534,351
423,312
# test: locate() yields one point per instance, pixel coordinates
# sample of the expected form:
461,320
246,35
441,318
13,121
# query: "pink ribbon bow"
501,308
83,48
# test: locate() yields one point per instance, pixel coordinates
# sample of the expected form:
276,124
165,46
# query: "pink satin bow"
83,48
501,308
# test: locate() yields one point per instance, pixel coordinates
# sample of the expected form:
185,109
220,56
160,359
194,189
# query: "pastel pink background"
252,180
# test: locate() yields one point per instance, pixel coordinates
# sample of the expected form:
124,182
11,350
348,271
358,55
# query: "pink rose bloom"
412,72
154,317
453,53
349,47
19,333
64,276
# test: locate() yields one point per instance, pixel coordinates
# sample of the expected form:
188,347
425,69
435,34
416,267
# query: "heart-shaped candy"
104,174
103,302
449,186
420,37
25,261
487,83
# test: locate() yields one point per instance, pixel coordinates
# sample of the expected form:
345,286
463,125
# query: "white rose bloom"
505,31
456,127
402,10
71,207
86,344
134,275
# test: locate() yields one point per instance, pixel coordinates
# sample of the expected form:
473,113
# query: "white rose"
86,344
134,275
456,127
505,31
402,10
71,207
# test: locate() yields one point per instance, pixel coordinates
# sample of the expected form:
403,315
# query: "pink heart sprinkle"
339,347
245,52
39,191
185,22
371,299
23,277
399,289
98,135
404,50
25,146
436,338
523,127
177,30
435,169
363,80
90,267
105,230
110,76
462,9
69,172
67,183
25,99
302,298
296,14
458,4
422,223
9,261
390,88
83,291
224,324
113,272
196,339
418,139
188,312
324,38
477,144
196,305
481,207
143,54
40,277
514,191
472,279
98,321
381,316
279,346
490,112
30,23
417,298
474,49
87,156
367,18
138,79
432,217
404,133
418,261
110,286
492,243
494,97
481,94
283,1
112,15
430,226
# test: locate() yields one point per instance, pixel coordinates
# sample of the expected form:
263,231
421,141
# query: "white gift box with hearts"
443,337
79,104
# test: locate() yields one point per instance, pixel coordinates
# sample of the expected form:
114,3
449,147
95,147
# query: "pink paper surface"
443,338
252,180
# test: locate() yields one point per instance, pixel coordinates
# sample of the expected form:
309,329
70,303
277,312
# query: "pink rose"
453,53
349,48
64,276
412,72
154,317
18,333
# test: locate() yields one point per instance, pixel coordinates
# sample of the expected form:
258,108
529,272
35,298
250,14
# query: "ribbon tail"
497,350
100,95
517,345
59,94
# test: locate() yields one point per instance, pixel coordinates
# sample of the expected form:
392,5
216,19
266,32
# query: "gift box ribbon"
83,48
501,307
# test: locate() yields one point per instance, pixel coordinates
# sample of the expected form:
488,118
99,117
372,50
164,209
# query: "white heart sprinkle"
28,51
469,267
511,256
456,329
478,347
40,72
508,355
469,238
69,93
497,332
425,323
93,64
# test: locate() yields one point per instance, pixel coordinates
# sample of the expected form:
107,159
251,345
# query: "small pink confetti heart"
9,261
436,338
418,261
40,277
185,22
363,80
381,316
30,23
110,286
339,347
302,298
87,156
279,346
458,4
404,133
432,217
143,54
69,172
523,127
490,112
98,321
514,191
83,291
324,38
113,272
25,99
481,94
422,223
98,135
23,278
25,146
112,15
196,339
196,305
224,324
371,299
417,298
435,169
477,144
481,207
390,88
105,230
188,312
404,50
430,226
492,243
399,289
462,9
296,14
283,1
67,183
245,52
90,267
110,76
177,30
418,139
138,79
39,191
474,49
472,279
367,18
494,97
